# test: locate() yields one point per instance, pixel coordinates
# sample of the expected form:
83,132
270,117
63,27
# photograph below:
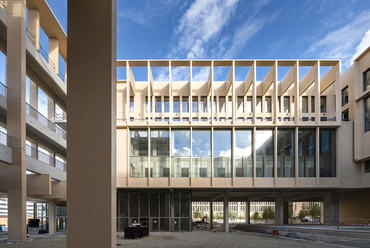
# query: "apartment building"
33,136
281,138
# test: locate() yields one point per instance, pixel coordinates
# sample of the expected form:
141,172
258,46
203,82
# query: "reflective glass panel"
201,152
265,153
285,153
243,153
222,153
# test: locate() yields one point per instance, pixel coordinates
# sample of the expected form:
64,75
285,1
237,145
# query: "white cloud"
200,24
364,44
341,43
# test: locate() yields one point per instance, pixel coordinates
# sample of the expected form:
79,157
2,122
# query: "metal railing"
3,89
45,158
3,4
45,121
46,57
30,37
60,117
5,139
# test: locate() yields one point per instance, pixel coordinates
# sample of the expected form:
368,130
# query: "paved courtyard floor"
197,238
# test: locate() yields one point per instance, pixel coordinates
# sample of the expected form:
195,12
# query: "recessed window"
158,104
195,104
304,104
203,104
166,104
323,104
367,166
367,79
345,115
249,104
286,104
259,104
230,104
312,104
240,104
268,104
185,104
176,104
222,105
132,104
345,96
367,114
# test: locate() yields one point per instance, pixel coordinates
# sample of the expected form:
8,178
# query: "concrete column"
51,109
226,212
321,212
331,208
247,213
91,165
34,95
16,119
34,26
279,209
211,213
54,53
172,211
52,217
285,213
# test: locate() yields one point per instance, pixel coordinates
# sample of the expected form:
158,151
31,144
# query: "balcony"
5,148
37,123
41,163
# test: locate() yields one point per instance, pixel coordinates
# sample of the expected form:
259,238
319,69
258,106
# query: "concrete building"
165,144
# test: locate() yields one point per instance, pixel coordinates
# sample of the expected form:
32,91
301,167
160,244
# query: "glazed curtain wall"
159,210
192,152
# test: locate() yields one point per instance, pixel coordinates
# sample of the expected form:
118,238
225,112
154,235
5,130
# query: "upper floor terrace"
229,92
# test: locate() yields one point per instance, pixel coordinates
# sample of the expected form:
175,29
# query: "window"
306,152
278,103
230,104
268,104
201,152
203,104
312,104
222,153
327,153
159,152
243,153
367,114
176,104
345,115
240,104
367,79
259,104
214,104
158,104
249,104
185,104
286,104
221,104
166,104
264,153
180,153
304,104
285,152
345,96
323,104
367,166
147,105
132,104
195,104
139,153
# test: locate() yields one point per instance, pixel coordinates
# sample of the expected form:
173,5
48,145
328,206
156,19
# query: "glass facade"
344,96
222,153
159,210
306,152
243,153
159,153
327,153
180,153
285,153
139,153
201,153
192,153
264,153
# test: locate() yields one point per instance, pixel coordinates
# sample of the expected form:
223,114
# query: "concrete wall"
354,205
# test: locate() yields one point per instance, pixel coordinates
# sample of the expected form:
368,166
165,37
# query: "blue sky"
234,29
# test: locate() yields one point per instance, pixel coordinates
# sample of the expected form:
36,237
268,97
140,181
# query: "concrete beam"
58,191
328,79
38,184
268,80
307,80
287,81
248,80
